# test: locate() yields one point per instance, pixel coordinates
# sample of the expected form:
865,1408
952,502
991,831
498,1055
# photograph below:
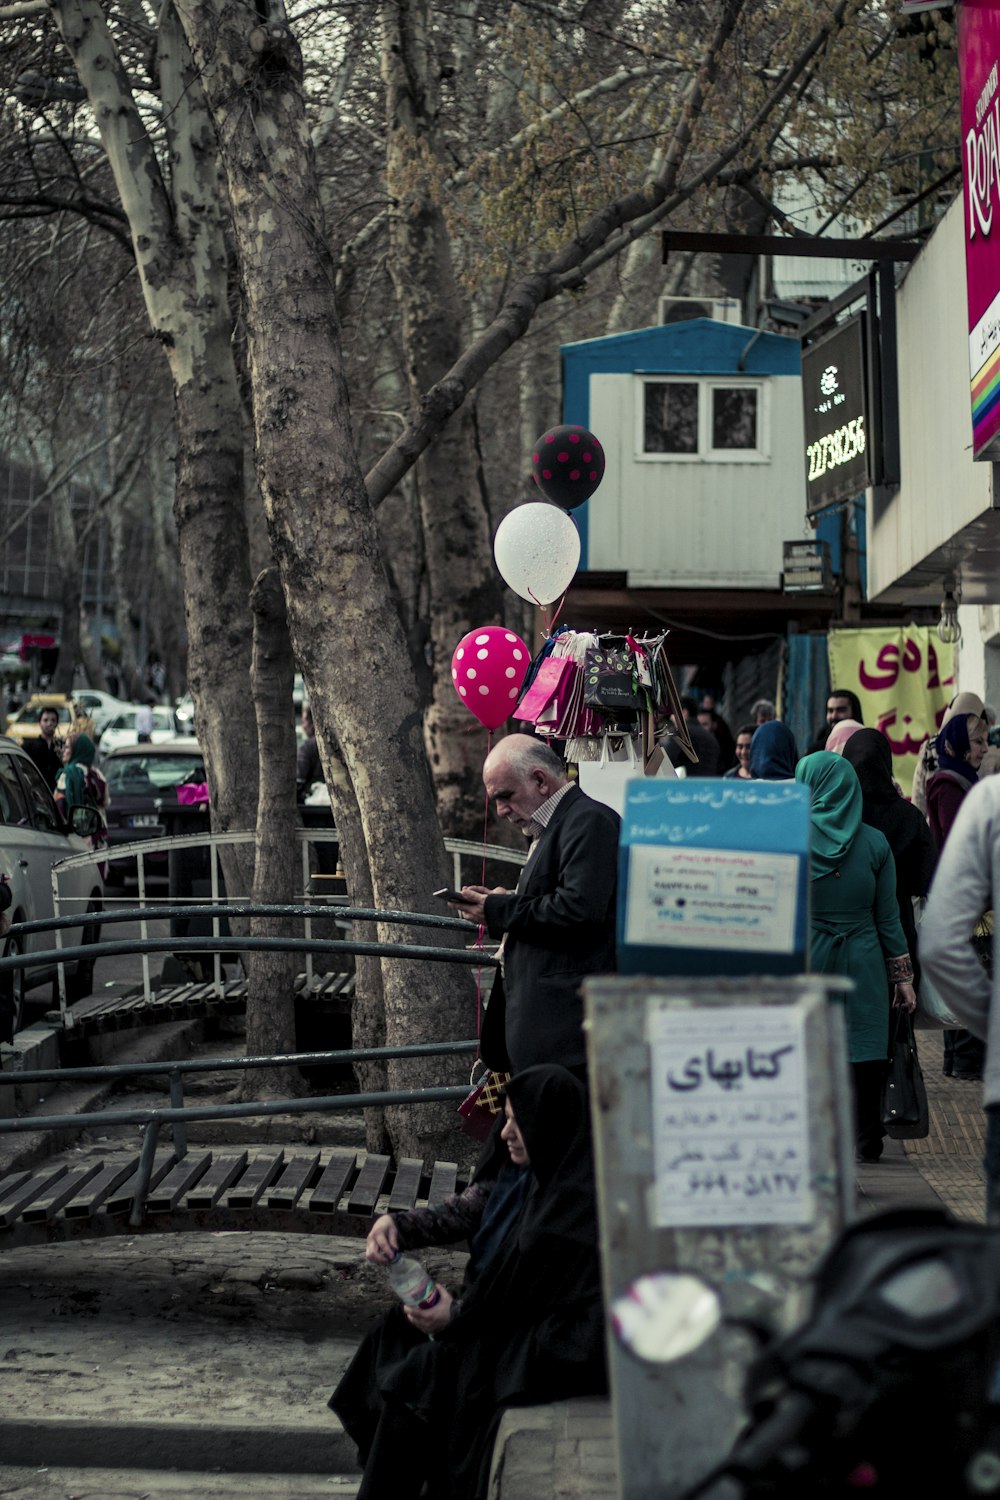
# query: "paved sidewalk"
946,1168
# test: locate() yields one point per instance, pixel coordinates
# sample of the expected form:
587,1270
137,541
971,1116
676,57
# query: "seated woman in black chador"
528,1327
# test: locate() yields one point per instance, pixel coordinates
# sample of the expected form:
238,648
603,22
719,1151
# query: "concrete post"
675,1422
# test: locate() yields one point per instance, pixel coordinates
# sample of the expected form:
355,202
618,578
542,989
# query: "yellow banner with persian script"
904,678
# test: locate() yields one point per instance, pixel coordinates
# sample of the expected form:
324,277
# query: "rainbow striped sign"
979,67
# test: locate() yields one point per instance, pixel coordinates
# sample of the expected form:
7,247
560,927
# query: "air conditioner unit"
682,309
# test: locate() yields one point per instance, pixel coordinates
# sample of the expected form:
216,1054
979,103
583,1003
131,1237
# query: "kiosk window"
707,420
671,417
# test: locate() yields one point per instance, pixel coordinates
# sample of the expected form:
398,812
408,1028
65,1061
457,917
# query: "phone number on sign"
836,448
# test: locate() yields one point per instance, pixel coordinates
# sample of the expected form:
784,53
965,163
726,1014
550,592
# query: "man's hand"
382,1243
431,1320
473,904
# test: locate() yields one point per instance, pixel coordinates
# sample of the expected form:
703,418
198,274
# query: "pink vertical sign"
979,71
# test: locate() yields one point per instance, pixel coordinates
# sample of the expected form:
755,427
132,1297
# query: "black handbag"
905,1113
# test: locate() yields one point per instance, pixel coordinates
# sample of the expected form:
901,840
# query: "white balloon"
537,551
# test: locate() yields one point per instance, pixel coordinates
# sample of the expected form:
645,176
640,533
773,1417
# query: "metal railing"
471,956
145,904
177,1115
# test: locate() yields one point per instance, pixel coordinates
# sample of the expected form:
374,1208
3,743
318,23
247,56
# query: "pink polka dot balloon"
487,668
568,465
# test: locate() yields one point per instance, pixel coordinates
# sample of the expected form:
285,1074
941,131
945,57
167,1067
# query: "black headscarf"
550,1107
953,745
870,753
773,752
905,829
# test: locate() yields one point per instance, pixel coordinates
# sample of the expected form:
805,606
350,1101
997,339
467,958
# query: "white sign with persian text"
730,1116
735,899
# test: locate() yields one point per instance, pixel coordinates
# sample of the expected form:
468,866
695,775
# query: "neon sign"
833,390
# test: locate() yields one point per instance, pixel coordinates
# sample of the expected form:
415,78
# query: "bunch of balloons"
537,553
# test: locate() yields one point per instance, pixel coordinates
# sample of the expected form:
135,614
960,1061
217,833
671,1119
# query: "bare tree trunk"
464,588
368,1009
345,632
170,594
91,656
271,975
67,552
181,257
132,684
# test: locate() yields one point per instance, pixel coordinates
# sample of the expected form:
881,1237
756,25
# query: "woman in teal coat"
855,929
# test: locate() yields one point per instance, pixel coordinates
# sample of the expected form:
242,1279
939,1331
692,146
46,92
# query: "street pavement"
946,1168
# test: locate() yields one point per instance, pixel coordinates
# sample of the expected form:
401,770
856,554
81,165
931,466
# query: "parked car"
142,783
23,725
121,729
99,706
33,837
184,707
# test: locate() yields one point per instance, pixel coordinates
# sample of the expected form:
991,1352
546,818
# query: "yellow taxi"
23,725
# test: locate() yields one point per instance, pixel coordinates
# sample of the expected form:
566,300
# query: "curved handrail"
315,904
251,909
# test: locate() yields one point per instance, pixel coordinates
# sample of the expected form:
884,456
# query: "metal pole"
146,1159
177,1102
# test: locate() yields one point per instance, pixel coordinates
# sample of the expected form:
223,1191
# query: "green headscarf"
835,808
82,756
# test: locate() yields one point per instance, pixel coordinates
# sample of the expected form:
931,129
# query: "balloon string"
481,933
558,612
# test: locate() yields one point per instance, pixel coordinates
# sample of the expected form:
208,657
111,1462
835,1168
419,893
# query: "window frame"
45,817
706,454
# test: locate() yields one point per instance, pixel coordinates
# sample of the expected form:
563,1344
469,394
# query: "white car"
100,706
33,837
121,729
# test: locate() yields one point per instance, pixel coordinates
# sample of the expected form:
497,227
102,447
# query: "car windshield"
132,775
31,711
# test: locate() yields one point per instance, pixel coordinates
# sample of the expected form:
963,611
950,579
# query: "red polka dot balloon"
568,465
487,667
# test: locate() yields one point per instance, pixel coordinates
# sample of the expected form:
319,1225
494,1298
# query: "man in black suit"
559,924
45,749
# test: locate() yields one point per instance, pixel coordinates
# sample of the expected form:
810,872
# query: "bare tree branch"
532,290
24,8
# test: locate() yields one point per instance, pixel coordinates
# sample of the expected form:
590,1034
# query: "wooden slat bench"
329,993
312,1192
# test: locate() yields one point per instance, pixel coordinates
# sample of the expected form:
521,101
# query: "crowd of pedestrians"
875,850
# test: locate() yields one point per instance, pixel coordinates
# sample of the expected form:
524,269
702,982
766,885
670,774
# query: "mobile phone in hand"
446,893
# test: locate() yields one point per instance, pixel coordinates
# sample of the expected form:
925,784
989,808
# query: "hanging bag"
905,1112
611,680
545,698
480,1107
606,779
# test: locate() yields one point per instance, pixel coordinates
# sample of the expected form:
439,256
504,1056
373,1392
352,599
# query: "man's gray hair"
525,758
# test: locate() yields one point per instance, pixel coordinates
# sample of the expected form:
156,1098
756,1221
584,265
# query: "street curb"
86,1443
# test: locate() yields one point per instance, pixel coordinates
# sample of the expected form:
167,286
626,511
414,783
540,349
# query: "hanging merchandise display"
584,689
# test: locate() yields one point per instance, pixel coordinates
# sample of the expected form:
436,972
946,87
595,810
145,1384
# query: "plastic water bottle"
411,1283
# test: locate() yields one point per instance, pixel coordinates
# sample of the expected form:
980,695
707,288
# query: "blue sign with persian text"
714,877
